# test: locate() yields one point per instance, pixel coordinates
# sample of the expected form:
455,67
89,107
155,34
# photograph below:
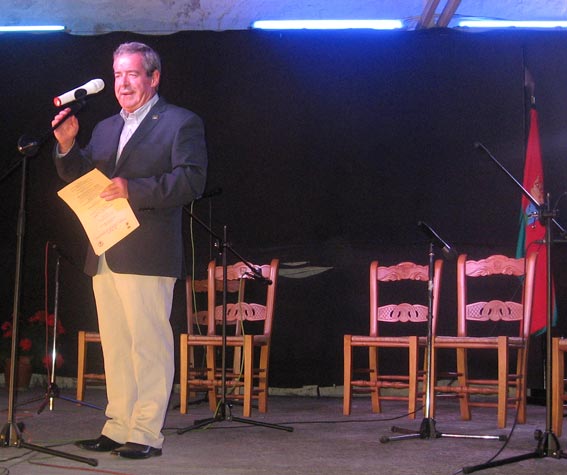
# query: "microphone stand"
53,390
28,146
547,442
225,413
427,429
10,435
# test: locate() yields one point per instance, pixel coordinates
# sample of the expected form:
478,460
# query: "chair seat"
386,341
231,340
475,342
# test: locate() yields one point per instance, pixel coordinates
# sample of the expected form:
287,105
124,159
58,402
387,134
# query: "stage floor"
323,441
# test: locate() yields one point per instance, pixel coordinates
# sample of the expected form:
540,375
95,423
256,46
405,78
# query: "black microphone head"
28,146
450,253
436,240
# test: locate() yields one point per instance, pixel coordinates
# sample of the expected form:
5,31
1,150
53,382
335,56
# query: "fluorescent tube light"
327,24
511,24
15,29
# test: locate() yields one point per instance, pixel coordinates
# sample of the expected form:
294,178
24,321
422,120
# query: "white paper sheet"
105,222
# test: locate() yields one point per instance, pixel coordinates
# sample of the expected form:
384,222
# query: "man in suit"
155,155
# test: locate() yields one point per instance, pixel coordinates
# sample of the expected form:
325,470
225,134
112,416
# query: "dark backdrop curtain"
328,146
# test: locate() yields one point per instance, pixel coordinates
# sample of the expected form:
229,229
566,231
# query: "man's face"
132,86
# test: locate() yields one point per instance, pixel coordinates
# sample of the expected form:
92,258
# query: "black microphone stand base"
10,437
53,392
226,415
548,446
428,430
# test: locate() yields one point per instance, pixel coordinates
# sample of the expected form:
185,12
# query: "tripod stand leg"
198,424
10,437
226,415
548,444
427,430
53,393
385,439
80,403
56,453
497,463
262,424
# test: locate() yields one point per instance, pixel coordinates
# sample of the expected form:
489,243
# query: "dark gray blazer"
165,163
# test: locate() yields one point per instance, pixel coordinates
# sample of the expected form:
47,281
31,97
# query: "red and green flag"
532,232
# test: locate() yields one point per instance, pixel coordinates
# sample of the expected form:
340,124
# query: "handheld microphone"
91,87
446,248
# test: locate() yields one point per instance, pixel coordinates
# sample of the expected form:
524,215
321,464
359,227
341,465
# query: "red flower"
38,316
34,335
6,330
25,344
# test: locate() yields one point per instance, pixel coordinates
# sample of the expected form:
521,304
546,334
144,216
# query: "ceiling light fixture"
327,24
31,28
511,24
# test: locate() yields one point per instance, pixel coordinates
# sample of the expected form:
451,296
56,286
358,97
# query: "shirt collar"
139,114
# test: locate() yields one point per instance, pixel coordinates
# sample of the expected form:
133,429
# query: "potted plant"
35,335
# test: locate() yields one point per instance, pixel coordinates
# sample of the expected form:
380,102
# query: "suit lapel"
114,130
147,125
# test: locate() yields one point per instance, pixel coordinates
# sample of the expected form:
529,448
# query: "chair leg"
432,374
557,386
237,367
413,363
248,375
522,385
503,361
373,365
211,377
191,366
347,375
183,373
263,384
463,378
81,365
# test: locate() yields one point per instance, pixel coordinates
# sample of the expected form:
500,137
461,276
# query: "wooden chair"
558,389
398,325
249,327
84,338
193,366
500,326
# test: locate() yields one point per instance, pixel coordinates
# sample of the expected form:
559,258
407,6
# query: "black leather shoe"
102,444
132,450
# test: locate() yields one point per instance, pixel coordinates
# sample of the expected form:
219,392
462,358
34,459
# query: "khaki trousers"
137,343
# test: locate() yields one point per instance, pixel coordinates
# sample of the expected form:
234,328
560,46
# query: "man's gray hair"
150,59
